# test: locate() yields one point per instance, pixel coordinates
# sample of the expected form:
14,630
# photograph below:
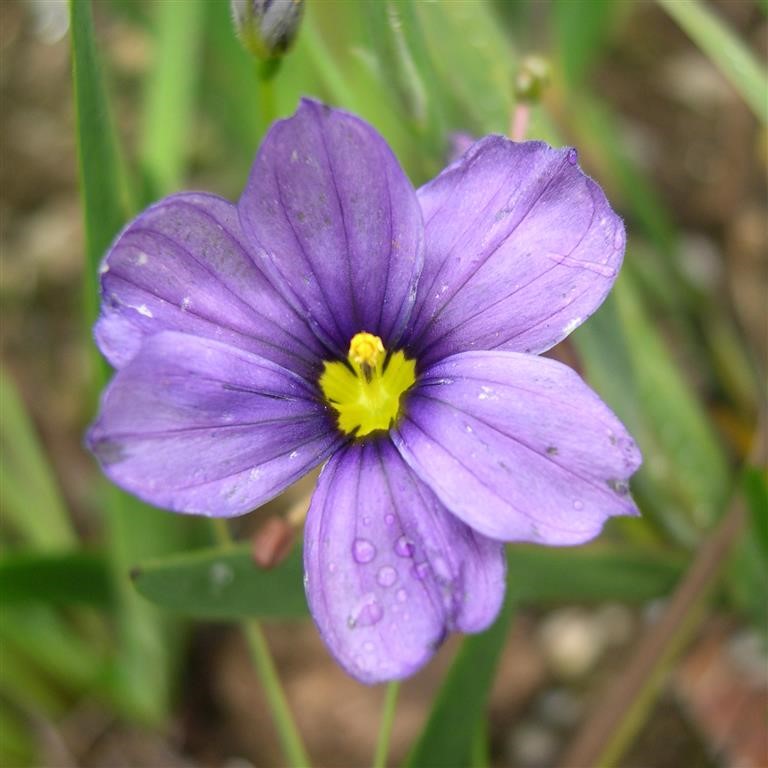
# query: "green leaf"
448,737
581,28
544,575
61,579
29,494
627,362
170,91
17,747
135,530
225,584
756,492
725,50
102,188
474,58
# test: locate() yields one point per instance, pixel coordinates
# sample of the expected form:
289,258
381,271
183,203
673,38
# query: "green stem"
265,75
385,731
285,725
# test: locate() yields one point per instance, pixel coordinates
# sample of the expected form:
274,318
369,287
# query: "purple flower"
335,313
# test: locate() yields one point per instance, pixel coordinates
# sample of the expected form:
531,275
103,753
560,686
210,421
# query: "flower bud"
532,79
267,28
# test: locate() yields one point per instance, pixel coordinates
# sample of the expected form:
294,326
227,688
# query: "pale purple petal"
518,447
521,247
193,425
330,211
389,570
182,265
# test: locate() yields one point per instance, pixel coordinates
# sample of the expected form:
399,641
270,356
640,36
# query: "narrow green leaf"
29,494
224,584
543,575
143,673
60,579
756,492
50,644
475,60
103,202
170,92
17,747
724,49
448,737
628,363
581,28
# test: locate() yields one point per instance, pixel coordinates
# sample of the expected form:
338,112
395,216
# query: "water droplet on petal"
401,595
404,547
619,239
332,567
366,520
368,647
368,615
389,519
578,504
573,156
420,570
363,551
387,576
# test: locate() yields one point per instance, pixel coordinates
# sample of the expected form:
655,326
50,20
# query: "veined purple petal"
193,425
521,247
330,211
182,265
518,447
389,570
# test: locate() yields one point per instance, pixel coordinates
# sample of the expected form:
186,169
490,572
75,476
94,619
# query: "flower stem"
265,75
385,730
288,733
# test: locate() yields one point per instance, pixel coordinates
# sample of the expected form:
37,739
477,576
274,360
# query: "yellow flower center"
366,390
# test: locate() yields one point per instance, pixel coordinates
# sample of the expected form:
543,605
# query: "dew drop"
332,567
363,551
578,504
387,576
618,239
389,519
573,156
366,520
369,647
368,615
404,547
401,595
420,570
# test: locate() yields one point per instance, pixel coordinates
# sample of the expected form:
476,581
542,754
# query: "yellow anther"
366,350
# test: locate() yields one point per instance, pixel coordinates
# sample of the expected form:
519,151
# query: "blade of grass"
170,92
29,494
143,670
725,50
72,578
448,736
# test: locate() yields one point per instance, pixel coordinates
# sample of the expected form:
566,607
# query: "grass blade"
223,583
725,50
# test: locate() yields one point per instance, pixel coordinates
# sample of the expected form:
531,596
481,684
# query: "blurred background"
647,648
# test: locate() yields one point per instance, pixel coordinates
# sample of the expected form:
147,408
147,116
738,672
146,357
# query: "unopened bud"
532,79
267,28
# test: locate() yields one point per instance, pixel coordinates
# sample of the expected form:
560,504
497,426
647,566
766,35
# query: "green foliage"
724,49
223,583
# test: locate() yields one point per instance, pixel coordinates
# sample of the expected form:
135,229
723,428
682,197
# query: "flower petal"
389,570
182,265
518,447
193,425
334,216
521,247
